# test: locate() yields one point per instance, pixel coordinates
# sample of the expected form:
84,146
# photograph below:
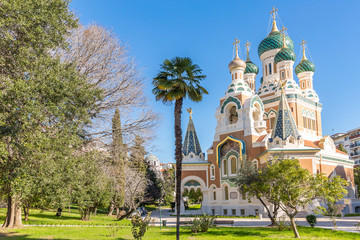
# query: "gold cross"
303,47
274,10
303,43
247,47
236,46
283,30
190,111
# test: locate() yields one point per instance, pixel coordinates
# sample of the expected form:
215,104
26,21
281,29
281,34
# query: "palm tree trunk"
178,157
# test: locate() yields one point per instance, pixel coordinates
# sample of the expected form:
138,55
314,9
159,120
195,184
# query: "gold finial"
282,85
283,33
236,47
273,13
247,47
190,111
303,47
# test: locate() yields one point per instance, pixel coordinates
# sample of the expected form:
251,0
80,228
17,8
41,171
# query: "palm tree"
177,79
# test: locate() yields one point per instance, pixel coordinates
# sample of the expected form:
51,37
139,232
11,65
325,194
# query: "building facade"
281,116
351,142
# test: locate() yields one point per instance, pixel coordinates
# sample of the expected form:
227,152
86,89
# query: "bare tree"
135,185
104,60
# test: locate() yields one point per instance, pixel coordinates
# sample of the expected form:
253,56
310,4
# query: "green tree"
177,79
137,155
92,188
253,182
341,148
45,103
117,165
294,186
169,185
154,189
331,191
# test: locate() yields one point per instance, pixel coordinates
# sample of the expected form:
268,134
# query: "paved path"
344,224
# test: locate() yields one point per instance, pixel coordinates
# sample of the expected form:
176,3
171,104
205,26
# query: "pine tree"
117,164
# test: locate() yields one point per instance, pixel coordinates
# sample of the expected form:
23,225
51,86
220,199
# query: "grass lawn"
224,233
194,207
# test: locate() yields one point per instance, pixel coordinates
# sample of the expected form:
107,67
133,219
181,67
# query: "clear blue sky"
204,31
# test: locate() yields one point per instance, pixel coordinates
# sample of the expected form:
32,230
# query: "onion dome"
250,66
284,55
305,65
274,40
237,63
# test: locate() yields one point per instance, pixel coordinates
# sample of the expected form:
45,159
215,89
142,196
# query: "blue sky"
204,31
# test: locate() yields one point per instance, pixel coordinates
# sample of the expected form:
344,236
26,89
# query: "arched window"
214,194
270,69
256,112
303,84
275,70
226,192
233,116
233,166
225,172
236,76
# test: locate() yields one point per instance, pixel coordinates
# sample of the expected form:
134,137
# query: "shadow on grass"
15,236
223,231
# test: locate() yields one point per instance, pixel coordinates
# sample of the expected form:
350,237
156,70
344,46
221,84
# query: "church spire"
285,124
191,141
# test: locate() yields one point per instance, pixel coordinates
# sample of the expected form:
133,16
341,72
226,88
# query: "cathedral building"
280,117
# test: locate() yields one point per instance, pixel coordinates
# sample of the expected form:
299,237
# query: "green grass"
194,207
224,233
38,217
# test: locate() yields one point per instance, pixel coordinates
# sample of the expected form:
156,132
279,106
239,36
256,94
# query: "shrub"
139,225
311,219
206,222
113,230
194,225
282,224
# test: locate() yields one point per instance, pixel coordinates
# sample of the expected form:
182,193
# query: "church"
280,117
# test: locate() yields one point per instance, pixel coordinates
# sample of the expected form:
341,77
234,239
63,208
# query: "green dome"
274,40
304,66
251,67
284,55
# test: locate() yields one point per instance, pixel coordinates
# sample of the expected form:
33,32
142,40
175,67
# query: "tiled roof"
310,144
285,124
191,141
261,138
338,151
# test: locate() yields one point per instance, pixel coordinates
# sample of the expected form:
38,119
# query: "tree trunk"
293,225
26,213
59,212
117,211
111,209
13,214
94,211
178,157
271,216
334,222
